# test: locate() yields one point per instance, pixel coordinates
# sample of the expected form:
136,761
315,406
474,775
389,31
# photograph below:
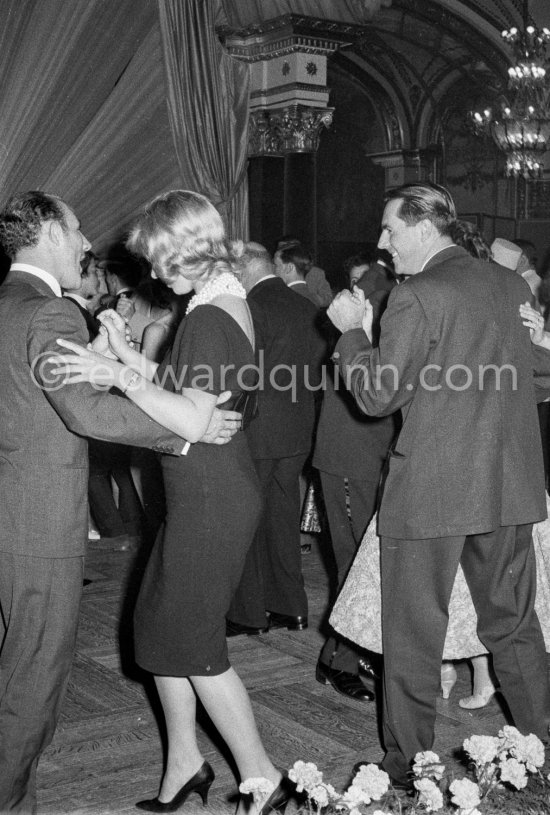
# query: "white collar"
77,298
296,283
46,277
261,280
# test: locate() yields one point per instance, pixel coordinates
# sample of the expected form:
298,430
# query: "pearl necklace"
226,283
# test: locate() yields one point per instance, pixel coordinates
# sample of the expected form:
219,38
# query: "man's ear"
426,229
55,232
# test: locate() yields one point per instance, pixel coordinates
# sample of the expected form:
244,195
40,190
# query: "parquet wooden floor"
107,751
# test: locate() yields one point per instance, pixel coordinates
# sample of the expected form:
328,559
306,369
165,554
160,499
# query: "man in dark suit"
289,352
119,523
43,479
292,265
465,480
350,451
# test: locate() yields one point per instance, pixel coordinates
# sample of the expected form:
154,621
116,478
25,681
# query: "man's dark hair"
529,250
361,259
128,270
424,200
21,219
297,255
287,240
470,237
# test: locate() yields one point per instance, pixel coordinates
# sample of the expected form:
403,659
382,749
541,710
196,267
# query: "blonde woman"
212,494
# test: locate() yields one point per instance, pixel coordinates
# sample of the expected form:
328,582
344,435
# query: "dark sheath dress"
213,504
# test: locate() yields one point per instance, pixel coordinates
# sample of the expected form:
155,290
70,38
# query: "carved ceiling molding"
286,34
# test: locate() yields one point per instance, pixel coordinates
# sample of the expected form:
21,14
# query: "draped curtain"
207,95
83,108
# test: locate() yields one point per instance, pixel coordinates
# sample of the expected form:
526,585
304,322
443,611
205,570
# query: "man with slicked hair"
465,481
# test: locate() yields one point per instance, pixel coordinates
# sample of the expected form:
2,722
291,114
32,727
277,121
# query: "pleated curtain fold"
207,94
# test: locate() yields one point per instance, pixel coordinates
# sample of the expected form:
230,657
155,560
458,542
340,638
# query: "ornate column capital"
288,75
293,129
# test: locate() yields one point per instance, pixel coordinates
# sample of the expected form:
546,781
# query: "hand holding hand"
125,308
347,309
114,334
223,423
534,320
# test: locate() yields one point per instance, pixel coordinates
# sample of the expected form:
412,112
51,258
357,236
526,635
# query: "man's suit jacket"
468,458
302,288
319,285
43,452
92,323
286,335
349,443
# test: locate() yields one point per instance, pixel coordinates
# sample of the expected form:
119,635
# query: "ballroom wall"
332,200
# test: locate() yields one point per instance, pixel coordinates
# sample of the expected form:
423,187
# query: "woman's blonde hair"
181,232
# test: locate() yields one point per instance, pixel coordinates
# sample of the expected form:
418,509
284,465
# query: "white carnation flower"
514,773
258,787
482,749
530,751
372,780
323,794
320,796
305,775
510,738
430,794
428,764
465,793
355,797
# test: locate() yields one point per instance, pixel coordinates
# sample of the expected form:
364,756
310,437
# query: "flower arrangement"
497,763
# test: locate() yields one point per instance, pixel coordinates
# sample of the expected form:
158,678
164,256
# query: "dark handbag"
245,402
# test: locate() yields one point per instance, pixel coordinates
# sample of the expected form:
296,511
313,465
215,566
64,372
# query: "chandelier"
521,127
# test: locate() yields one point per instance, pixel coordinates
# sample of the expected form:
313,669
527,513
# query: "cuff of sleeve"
349,344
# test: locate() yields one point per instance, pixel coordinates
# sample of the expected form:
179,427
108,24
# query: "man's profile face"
93,284
111,280
357,272
72,248
403,241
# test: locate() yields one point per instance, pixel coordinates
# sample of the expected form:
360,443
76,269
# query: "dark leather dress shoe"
236,629
287,621
366,668
345,683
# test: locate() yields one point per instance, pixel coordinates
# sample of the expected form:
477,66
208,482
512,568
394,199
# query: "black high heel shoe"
200,783
280,797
